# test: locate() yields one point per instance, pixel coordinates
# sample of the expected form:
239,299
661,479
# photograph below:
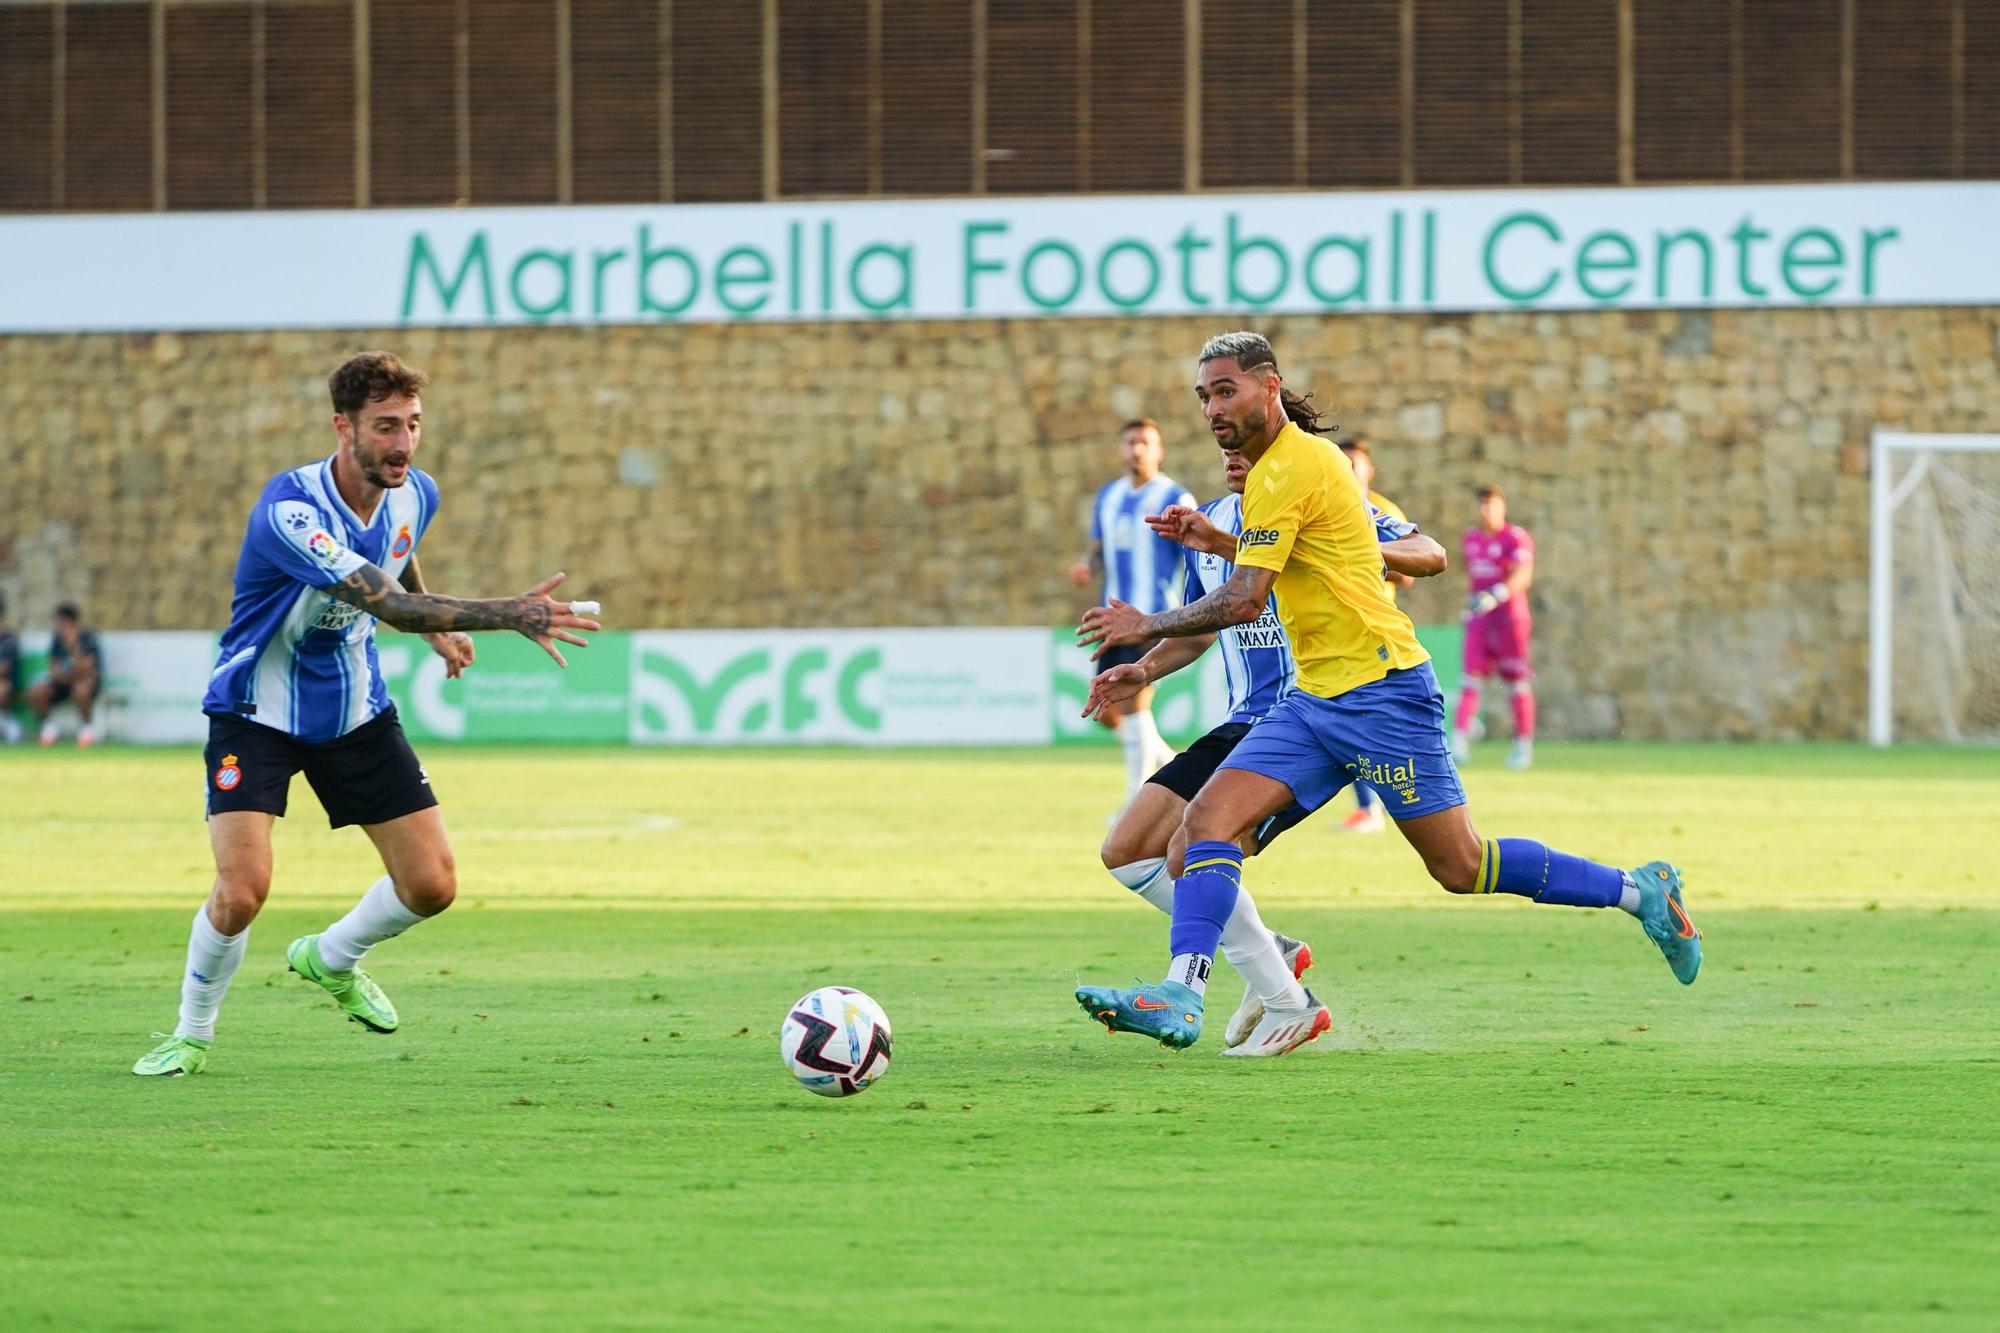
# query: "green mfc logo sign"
840,687
709,691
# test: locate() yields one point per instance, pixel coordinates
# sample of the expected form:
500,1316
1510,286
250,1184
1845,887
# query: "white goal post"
1934,587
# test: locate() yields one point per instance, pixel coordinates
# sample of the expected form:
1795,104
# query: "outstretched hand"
1191,528
1111,626
550,621
1114,687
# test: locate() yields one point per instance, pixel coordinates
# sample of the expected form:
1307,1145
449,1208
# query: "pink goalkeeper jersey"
1491,556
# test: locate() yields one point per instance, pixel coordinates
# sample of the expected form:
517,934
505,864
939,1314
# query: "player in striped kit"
1140,569
1144,849
329,549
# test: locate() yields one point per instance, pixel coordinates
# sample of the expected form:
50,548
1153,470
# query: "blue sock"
1536,870
1365,797
1204,896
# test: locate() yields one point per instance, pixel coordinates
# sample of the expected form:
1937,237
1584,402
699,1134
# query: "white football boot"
1298,957
1282,1030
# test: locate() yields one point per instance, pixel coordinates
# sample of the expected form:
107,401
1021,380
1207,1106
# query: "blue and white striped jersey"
1139,567
294,658
1257,657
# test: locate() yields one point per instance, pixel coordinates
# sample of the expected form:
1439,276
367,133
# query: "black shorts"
369,776
1124,655
1186,772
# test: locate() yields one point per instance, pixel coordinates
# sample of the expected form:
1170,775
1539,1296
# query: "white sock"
1133,740
1150,880
1628,897
1253,951
1157,749
212,960
380,915
1191,970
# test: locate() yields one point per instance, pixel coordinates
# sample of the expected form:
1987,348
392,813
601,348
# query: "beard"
1251,426
376,470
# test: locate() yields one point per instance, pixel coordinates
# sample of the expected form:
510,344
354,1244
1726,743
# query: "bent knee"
1120,849
1455,874
1204,822
238,897
430,890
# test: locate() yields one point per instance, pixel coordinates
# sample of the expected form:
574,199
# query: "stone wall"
1697,481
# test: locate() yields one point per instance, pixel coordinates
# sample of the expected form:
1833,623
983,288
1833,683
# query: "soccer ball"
835,1041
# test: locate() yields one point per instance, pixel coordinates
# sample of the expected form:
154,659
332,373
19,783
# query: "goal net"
1934,589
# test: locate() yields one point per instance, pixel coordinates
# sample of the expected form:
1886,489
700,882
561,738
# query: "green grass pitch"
1519,1119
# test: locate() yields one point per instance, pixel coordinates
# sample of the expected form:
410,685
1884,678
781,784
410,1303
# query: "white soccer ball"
835,1041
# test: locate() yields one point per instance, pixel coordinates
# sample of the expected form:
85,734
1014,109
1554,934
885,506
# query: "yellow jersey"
1305,518
1395,511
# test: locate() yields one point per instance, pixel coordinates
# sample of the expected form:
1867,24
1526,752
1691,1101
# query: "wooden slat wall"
1138,97
511,97
616,66
1681,90
27,110
1462,93
1031,95
1354,109
211,150
413,102
1902,107
823,97
1791,92
927,96
718,82
108,108
309,93
469,101
1569,92
1247,96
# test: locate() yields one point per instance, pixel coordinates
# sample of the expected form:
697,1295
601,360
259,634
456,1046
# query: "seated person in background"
10,679
74,669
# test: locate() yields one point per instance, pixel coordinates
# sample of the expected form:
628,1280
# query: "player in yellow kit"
1365,705
1367,816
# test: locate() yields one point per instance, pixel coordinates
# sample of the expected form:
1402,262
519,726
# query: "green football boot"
174,1055
1666,920
353,990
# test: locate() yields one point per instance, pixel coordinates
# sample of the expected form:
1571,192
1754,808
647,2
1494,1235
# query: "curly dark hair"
370,377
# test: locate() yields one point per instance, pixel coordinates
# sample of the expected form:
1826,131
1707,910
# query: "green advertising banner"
513,692
1003,686
1446,645
1186,704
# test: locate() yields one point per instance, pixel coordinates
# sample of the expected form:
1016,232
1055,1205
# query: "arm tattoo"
1237,602
370,589
412,577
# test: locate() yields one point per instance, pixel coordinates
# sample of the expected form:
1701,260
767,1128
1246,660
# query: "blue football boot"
1166,1011
1666,920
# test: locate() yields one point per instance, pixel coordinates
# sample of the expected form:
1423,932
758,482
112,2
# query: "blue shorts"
1389,734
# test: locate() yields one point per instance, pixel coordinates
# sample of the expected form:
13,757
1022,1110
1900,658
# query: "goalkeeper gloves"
1481,602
